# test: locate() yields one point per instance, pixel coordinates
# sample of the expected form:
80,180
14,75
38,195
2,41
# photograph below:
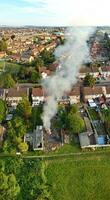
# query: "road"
77,155
103,83
28,85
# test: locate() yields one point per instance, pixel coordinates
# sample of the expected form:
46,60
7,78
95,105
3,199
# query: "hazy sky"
54,12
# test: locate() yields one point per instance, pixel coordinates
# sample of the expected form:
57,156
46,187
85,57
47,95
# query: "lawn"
83,177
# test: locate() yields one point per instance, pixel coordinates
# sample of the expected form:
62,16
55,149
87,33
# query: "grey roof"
84,139
38,138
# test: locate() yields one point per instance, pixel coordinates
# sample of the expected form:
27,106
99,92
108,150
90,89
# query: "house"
92,93
37,96
2,94
74,95
70,97
83,71
2,54
107,95
38,143
105,71
15,95
27,58
44,72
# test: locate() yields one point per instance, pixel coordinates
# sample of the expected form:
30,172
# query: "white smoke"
72,55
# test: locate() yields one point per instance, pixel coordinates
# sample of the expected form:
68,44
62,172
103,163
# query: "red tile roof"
37,92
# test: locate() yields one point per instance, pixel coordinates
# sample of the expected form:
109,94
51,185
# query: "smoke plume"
71,55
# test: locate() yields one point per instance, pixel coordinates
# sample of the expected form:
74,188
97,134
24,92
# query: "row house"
44,72
83,71
51,46
2,54
92,93
74,95
105,71
70,97
15,95
96,92
38,96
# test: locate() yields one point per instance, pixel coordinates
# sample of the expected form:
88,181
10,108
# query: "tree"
3,45
23,147
74,109
75,123
8,81
3,109
38,62
47,57
13,37
19,126
9,188
106,117
89,80
60,121
35,77
24,109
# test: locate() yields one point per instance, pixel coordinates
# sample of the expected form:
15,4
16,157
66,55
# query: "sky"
55,12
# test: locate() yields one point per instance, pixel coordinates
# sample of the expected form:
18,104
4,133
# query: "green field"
80,178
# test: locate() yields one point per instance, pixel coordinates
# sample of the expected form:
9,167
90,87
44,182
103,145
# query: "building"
70,97
44,72
38,143
15,95
92,93
2,54
74,95
37,96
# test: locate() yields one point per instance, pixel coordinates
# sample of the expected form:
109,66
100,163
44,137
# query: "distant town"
26,58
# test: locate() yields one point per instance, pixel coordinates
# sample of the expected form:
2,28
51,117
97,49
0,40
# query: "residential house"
37,96
70,97
2,54
92,93
27,58
74,95
44,72
83,71
105,71
107,94
15,95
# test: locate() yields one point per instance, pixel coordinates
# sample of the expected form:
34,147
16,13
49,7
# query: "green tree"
24,109
48,57
38,62
3,45
23,147
9,188
75,123
13,37
74,109
8,81
19,126
89,80
3,110
35,77
106,117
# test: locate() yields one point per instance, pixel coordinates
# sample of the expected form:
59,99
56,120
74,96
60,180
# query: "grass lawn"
83,177
93,113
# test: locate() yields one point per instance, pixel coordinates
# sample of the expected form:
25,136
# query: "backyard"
98,124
